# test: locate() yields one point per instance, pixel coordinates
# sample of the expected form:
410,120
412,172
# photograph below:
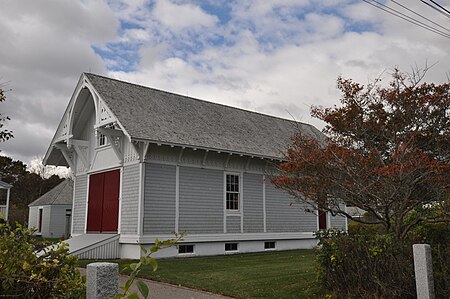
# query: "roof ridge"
201,100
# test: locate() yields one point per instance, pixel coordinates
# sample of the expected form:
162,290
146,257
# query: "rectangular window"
185,249
269,245
102,140
231,246
232,192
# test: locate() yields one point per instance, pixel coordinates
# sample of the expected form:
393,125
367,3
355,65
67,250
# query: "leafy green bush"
362,266
145,260
24,274
367,264
358,228
438,236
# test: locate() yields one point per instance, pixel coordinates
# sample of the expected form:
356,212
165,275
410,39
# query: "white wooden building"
148,163
4,208
51,213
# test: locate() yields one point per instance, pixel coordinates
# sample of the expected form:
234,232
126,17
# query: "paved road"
160,290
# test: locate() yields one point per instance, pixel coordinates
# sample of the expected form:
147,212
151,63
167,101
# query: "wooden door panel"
95,203
111,201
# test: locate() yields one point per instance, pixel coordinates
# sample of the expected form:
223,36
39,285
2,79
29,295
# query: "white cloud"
321,26
181,16
288,79
135,35
45,47
276,57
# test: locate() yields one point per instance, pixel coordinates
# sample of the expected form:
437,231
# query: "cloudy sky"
275,57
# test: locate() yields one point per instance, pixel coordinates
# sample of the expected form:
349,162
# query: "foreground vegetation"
286,274
25,274
367,263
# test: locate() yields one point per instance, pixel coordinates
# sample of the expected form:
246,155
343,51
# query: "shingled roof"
163,117
61,194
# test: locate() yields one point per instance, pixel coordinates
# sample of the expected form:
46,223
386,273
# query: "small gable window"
102,140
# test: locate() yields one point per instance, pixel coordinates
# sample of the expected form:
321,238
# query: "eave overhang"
226,151
63,141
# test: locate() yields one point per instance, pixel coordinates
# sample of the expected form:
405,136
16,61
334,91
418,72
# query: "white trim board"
236,170
219,237
177,198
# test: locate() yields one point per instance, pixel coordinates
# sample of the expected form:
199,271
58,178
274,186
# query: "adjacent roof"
4,185
163,117
61,194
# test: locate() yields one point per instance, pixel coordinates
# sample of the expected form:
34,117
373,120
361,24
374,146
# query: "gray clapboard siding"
46,216
338,222
281,216
95,246
201,200
253,203
130,199
58,220
159,200
192,157
33,217
79,204
107,249
233,224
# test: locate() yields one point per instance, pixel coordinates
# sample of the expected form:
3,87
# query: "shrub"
145,260
362,266
366,264
358,228
24,274
438,236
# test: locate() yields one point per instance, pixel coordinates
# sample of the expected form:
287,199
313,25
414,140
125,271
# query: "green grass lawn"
281,274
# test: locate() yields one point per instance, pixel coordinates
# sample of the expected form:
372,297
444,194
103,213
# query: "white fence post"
423,269
102,280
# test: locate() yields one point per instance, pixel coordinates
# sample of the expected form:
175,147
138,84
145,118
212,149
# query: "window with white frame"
232,192
102,140
185,249
231,246
269,245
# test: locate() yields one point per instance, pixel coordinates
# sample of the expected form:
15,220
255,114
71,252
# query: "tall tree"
387,152
4,133
27,187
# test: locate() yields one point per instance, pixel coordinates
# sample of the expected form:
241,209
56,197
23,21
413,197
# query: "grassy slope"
285,274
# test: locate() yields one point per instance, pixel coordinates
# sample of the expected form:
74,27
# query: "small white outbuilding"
51,214
4,209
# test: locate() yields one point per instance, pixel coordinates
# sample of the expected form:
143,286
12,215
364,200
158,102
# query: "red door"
103,205
95,202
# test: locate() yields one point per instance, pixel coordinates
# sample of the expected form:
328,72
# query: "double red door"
103,204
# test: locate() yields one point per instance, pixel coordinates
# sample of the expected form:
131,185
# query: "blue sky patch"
119,57
220,10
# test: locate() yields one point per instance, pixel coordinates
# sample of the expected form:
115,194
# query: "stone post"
102,280
424,271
